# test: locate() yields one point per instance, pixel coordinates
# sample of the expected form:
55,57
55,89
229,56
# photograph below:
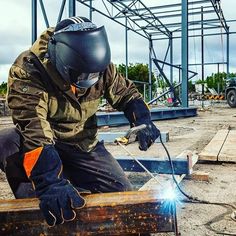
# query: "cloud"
15,34
4,69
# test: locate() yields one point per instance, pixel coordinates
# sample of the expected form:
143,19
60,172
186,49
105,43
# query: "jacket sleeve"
118,90
28,101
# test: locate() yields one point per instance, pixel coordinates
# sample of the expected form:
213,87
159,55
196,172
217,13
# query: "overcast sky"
15,36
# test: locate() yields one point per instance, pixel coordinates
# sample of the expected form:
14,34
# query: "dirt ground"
193,134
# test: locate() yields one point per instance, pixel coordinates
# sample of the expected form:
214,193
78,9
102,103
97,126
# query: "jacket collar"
40,48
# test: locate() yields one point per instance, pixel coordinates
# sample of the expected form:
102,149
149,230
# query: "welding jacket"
46,109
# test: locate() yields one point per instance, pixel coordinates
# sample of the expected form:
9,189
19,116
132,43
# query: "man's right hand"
59,201
58,198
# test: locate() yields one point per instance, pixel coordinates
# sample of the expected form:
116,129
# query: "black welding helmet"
80,51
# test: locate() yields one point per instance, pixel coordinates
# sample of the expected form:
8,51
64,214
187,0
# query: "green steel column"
202,49
150,69
34,21
91,10
72,8
184,42
227,51
171,58
126,49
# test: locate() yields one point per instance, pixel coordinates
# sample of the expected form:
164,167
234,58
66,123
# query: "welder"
54,90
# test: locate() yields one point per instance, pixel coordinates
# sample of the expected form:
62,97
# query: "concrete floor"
192,134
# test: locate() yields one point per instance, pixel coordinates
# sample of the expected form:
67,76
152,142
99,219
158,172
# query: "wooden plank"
199,176
155,165
104,214
162,182
228,151
109,137
212,150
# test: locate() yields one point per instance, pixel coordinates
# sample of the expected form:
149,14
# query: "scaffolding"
155,22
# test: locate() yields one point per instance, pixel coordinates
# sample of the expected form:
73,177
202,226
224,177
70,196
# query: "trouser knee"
9,145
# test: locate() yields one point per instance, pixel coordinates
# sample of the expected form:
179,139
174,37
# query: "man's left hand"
147,136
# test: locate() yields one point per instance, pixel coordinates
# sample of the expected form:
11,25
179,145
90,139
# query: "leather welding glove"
58,198
137,113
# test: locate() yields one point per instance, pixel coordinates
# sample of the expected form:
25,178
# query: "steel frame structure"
156,23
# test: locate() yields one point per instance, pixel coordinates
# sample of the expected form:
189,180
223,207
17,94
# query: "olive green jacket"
44,107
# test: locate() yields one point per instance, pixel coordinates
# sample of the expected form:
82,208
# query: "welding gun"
131,135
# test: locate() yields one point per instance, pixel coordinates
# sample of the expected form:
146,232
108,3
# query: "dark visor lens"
87,76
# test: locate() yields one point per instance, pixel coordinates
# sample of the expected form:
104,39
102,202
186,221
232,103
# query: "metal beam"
196,35
219,13
184,54
227,51
158,13
150,69
123,213
109,137
44,13
131,8
177,5
177,15
109,16
202,48
72,11
118,118
34,21
155,165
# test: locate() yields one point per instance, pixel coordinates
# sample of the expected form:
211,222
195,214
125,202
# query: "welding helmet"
80,51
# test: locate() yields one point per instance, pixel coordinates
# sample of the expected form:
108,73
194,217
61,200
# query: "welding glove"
137,113
58,198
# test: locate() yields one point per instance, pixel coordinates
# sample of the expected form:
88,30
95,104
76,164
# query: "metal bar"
91,10
118,118
171,58
192,23
109,137
72,8
126,49
112,18
34,21
227,51
179,30
153,18
219,13
61,11
176,66
207,63
202,50
173,11
44,13
124,213
154,165
126,9
172,90
176,5
177,15
150,70
196,35
184,49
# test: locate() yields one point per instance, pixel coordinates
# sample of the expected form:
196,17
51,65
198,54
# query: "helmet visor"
85,80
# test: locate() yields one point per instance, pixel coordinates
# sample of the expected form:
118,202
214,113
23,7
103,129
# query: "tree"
138,72
3,89
216,81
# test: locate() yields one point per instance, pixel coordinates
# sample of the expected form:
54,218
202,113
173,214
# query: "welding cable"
191,199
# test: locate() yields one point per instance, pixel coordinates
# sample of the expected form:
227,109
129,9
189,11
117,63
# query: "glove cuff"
47,169
137,112
30,159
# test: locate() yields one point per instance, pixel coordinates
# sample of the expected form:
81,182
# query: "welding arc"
191,199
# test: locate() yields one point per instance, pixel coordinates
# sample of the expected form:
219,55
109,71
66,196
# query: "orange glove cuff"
30,159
